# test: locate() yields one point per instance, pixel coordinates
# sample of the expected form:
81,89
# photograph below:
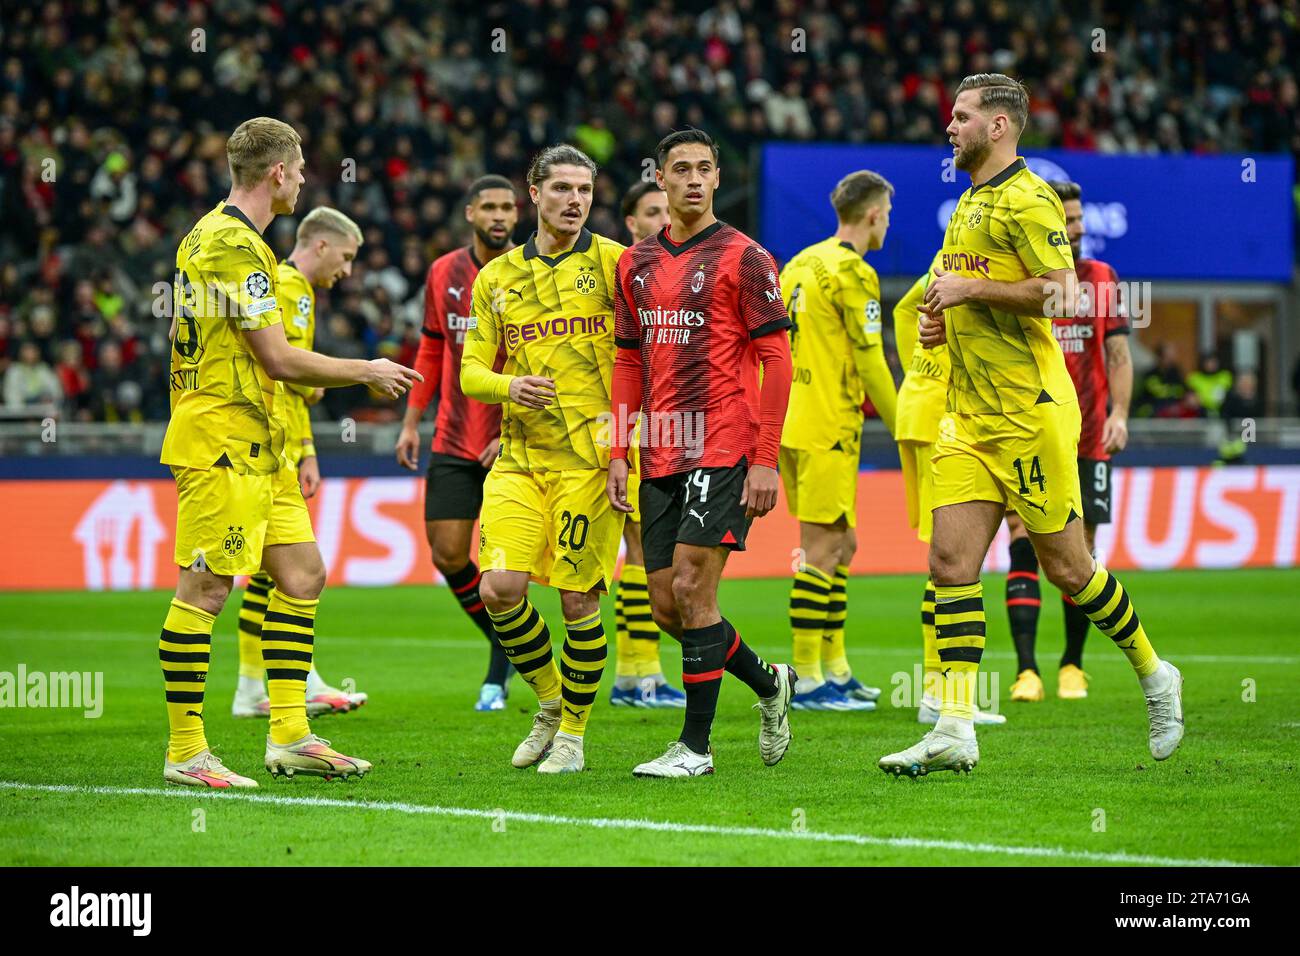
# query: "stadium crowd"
113,118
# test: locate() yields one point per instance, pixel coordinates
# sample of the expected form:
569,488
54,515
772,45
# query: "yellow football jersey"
1007,229
299,307
923,396
223,404
555,317
833,298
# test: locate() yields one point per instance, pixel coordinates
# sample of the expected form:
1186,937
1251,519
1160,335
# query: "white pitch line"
770,650
606,823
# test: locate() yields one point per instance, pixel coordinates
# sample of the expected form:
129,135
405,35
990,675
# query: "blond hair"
325,219
256,145
856,191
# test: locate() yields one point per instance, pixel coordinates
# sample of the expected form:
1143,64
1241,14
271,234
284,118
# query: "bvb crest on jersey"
975,218
585,281
233,544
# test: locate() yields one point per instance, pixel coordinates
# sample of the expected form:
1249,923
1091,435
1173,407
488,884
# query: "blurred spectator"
115,394
1163,388
112,134
29,381
1243,401
1211,383
74,377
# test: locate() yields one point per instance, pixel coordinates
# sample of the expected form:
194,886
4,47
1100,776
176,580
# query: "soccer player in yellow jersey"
239,507
545,514
921,401
1010,437
833,298
638,676
326,245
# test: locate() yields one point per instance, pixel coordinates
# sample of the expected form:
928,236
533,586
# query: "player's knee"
577,605
849,546
1069,573
946,567
305,582
206,591
663,608
499,592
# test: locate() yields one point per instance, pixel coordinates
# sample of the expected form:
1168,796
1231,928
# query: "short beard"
496,245
972,157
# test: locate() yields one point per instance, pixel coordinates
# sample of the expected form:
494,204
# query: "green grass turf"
1229,794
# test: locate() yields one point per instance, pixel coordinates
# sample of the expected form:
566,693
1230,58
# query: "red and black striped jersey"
694,310
464,427
1100,314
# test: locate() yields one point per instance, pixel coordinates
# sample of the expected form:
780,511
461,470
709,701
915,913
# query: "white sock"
315,684
626,682
805,685
956,727
251,687
1158,681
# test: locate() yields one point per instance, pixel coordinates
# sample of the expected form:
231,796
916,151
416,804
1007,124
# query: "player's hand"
408,448
532,391
390,379
309,476
489,454
316,395
1114,434
616,485
759,494
932,330
945,291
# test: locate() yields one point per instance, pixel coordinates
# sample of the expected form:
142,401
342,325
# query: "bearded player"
833,299
323,252
1095,344
638,676
1010,438
699,311
240,509
545,514
466,434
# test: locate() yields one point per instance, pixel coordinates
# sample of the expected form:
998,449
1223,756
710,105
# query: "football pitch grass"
1063,783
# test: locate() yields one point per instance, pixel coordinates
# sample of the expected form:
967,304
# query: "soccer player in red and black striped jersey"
698,311
1095,344
467,432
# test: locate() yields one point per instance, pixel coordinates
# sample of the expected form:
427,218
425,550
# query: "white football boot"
313,757
204,770
565,755
678,761
774,731
936,751
1165,710
538,742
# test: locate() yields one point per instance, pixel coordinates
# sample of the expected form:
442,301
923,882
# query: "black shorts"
699,507
1094,486
453,489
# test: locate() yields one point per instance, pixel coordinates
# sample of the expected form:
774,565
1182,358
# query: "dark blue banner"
1151,217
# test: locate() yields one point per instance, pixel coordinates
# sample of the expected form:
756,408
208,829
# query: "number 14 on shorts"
1035,477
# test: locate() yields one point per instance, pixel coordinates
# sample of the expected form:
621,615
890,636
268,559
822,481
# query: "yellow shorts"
227,518
557,525
821,487
1027,461
918,482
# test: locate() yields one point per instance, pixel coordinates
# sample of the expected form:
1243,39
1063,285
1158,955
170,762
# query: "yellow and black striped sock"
641,626
184,647
810,596
251,612
527,642
835,659
931,682
959,637
581,661
287,639
624,652
1107,605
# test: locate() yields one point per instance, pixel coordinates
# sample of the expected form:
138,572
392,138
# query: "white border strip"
605,823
